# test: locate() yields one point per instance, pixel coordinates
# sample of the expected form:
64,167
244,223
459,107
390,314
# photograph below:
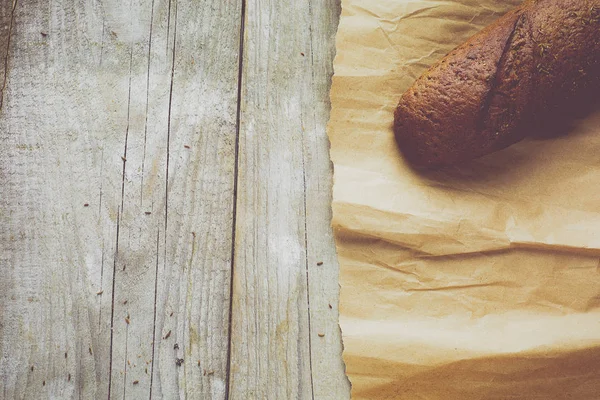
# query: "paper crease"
480,281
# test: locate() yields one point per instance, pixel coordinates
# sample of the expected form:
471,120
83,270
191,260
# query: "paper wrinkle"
480,281
433,220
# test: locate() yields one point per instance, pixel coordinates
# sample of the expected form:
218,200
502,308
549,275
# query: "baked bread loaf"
531,69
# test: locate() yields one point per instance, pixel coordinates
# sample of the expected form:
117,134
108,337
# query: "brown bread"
530,70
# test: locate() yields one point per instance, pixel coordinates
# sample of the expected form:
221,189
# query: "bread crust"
531,69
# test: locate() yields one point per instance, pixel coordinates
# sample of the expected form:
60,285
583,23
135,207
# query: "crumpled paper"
480,281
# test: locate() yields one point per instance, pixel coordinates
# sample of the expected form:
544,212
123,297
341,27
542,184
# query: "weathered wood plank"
329,379
283,202
200,197
118,124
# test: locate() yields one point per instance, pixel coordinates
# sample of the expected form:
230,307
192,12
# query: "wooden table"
165,200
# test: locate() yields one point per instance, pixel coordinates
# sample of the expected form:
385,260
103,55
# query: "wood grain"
328,370
125,135
200,198
284,175
118,142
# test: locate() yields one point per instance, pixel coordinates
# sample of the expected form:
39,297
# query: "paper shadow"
550,375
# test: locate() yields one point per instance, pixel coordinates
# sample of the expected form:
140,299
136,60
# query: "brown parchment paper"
476,282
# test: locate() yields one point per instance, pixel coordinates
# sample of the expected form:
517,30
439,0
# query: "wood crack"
154,317
235,191
169,122
147,104
119,217
6,53
101,284
312,389
168,26
112,307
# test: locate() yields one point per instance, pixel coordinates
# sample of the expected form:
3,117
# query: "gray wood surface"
165,191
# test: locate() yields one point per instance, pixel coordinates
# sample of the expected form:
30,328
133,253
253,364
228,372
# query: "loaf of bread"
530,70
